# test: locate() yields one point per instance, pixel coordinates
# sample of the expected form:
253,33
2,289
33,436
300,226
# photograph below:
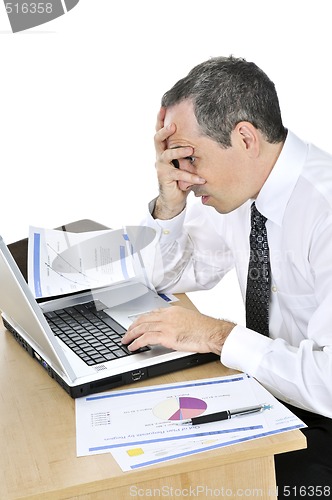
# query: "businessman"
264,207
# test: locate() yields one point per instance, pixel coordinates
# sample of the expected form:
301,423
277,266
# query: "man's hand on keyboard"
180,329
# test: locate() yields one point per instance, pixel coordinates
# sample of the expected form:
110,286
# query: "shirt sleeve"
189,253
299,376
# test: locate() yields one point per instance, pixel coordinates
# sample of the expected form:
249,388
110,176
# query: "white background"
79,97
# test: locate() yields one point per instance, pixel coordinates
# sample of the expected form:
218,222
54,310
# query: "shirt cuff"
171,229
244,349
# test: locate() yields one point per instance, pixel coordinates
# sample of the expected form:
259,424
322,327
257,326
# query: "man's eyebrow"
177,147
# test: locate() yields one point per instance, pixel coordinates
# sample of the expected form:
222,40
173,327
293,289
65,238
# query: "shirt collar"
278,187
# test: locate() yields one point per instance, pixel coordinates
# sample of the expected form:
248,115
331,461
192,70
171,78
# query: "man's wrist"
218,338
163,212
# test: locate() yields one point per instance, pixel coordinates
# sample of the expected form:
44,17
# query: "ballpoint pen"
226,414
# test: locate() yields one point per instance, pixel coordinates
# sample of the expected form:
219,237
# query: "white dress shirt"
199,246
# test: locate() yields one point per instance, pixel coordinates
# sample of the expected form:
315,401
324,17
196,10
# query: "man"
221,127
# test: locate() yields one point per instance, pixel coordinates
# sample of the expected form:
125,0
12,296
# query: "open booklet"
60,262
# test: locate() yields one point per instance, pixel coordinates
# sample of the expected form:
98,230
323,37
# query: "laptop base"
115,380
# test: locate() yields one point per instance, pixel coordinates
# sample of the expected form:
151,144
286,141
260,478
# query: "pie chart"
179,408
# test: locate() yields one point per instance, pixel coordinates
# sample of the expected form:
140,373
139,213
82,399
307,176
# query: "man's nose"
185,186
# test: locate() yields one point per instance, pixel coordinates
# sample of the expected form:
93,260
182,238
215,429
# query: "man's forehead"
183,116
181,111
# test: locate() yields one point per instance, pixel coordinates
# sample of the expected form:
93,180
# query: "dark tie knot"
257,219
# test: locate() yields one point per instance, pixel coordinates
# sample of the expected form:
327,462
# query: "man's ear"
248,138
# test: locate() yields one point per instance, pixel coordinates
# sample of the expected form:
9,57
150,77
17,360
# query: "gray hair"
226,91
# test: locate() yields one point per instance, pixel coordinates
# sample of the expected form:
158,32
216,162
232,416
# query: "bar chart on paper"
179,408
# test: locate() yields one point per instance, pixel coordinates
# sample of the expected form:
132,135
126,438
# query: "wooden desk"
38,448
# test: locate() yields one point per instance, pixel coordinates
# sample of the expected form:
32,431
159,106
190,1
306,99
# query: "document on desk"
149,425
60,262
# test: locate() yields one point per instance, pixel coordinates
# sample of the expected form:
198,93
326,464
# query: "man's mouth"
204,197
199,194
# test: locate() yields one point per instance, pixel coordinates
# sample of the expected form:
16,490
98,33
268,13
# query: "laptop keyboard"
92,334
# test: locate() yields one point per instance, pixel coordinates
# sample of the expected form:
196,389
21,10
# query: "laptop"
37,327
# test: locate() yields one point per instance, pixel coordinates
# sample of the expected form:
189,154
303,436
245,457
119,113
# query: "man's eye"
191,159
